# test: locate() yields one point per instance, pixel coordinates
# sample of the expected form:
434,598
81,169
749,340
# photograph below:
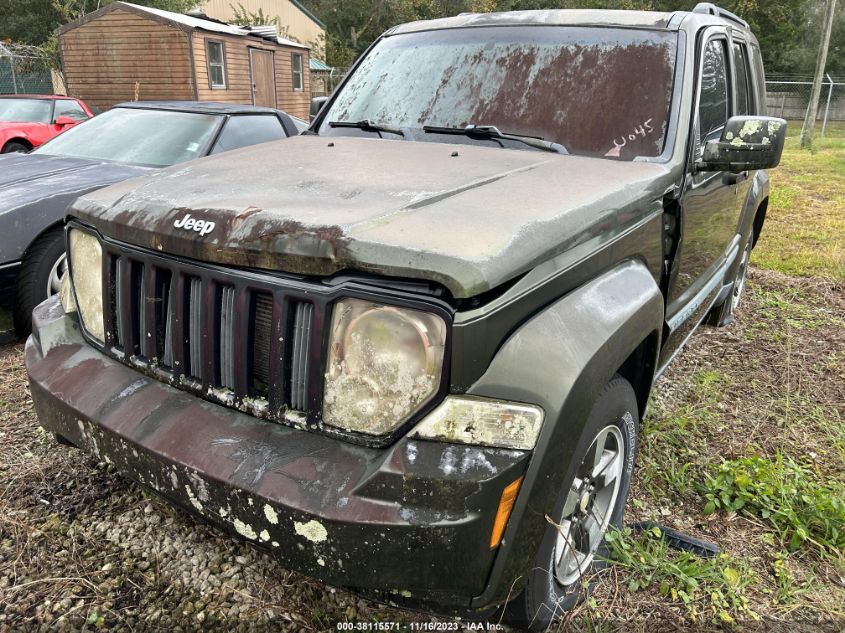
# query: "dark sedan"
129,140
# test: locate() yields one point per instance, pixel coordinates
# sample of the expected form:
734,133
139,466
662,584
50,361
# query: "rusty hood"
469,217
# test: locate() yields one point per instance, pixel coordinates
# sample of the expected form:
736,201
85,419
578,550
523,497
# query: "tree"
245,17
782,26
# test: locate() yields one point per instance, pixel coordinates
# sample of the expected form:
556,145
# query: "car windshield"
145,137
597,91
25,110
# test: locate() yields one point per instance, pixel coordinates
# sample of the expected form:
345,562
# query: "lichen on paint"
271,515
244,529
313,530
321,562
750,127
265,535
193,499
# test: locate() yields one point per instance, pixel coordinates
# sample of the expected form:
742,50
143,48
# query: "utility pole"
812,108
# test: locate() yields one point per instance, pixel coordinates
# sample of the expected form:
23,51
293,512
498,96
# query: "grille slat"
195,329
237,338
167,355
261,344
120,302
300,355
227,332
280,344
147,313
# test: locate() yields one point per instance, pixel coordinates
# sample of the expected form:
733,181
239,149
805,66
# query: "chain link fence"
323,82
788,97
28,70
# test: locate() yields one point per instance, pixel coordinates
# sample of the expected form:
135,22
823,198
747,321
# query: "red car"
26,121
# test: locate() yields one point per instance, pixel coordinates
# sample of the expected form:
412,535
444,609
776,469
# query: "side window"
713,104
758,88
66,107
744,96
242,130
216,57
296,68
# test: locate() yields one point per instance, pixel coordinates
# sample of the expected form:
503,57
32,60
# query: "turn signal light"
504,512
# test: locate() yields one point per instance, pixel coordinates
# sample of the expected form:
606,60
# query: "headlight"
86,265
384,364
484,422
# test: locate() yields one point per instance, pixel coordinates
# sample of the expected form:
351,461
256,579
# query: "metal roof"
316,64
189,20
186,22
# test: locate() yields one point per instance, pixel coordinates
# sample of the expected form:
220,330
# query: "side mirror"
747,143
64,121
316,105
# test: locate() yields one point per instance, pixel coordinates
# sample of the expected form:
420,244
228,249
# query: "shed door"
263,79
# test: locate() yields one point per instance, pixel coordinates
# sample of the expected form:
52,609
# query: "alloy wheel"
589,505
57,272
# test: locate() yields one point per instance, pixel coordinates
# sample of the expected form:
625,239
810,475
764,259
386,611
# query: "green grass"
677,439
710,589
804,233
803,509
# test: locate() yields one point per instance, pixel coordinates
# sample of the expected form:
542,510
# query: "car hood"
28,178
466,216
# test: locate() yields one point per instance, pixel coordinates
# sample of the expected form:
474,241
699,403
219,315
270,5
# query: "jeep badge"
203,227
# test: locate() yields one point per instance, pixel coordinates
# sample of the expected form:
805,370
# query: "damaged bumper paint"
387,521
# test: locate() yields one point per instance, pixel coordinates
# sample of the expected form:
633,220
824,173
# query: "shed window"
296,67
216,64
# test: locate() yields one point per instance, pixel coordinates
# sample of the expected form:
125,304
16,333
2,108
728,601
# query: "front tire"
40,276
14,146
591,501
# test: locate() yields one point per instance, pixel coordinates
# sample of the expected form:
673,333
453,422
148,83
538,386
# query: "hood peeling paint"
377,206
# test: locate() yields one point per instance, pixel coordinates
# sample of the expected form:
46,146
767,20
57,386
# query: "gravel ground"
81,547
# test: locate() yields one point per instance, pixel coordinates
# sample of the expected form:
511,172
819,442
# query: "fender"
11,134
560,359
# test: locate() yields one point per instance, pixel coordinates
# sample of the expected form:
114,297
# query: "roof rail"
711,9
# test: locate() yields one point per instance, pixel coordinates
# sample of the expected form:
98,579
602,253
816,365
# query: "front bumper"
413,519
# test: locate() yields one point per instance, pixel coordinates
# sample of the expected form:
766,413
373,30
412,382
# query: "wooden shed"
125,52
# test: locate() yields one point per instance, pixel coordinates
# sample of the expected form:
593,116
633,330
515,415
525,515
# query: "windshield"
144,137
25,110
596,91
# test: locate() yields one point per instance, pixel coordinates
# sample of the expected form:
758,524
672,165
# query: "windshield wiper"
492,132
368,126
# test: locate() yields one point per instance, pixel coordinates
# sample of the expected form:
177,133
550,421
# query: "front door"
263,78
709,205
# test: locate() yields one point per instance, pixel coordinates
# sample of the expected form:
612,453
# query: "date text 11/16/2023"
419,626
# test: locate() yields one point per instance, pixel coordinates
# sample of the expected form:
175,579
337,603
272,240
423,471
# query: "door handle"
735,179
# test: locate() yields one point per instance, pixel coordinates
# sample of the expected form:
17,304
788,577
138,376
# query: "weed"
801,509
715,584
